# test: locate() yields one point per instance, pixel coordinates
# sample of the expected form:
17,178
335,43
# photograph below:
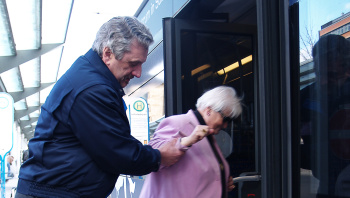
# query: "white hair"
221,98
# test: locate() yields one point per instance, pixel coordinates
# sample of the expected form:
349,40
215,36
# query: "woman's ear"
208,111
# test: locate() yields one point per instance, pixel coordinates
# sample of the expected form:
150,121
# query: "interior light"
206,75
235,65
199,69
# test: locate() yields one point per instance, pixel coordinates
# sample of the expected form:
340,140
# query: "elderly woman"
203,171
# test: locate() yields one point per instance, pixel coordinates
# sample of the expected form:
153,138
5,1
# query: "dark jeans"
19,195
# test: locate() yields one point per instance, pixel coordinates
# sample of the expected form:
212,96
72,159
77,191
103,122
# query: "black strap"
199,118
221,164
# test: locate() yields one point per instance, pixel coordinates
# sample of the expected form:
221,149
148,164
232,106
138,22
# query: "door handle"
247,178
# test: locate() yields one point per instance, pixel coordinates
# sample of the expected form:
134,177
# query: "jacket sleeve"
164,133
177,126
98,119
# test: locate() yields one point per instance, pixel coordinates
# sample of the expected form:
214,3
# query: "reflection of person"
9,160
82,140
202,171
325,114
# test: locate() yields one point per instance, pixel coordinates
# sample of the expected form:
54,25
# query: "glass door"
200,56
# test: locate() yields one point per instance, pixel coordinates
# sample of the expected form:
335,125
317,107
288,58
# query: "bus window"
324,98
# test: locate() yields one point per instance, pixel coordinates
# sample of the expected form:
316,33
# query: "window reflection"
325,111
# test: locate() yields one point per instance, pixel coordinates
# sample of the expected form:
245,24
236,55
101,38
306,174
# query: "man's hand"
169,153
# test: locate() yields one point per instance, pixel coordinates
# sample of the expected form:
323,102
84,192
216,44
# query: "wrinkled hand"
230,185
169,153
200,132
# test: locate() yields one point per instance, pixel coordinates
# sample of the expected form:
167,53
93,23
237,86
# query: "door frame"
279,164
277,157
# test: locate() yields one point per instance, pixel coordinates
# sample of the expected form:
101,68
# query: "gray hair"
118,33
221,98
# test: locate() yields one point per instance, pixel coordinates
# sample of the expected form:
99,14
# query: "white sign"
139,122
6,122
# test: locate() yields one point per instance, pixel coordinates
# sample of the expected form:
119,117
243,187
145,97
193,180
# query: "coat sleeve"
98,120
166,131
177,126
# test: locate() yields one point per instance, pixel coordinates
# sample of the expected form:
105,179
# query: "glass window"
324,98
212,59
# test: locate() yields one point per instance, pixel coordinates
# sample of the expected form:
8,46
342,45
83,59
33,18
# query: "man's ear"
106,55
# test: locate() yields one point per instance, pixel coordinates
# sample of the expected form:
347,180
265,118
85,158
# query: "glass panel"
50,64
30,73
44,93
55,20
25,23
325,98
20,105
11,80
210,60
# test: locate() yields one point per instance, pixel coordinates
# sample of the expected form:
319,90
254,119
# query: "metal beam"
9,62
21,113
27,130
17,96
28,134
2,86
25,123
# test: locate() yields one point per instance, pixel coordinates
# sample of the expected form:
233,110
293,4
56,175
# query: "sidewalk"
11,183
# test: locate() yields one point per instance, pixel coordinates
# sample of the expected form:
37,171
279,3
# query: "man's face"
129,66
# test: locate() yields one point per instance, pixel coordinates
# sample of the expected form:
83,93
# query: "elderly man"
82,141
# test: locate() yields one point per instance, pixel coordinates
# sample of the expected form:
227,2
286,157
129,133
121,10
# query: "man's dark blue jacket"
82,141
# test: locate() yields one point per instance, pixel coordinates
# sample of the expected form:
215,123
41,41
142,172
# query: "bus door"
201,55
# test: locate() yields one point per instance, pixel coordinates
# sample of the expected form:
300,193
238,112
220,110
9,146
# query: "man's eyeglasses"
225,118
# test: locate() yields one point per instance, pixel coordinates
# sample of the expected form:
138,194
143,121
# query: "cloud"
347,6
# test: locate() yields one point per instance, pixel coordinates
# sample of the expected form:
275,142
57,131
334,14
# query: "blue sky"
315,13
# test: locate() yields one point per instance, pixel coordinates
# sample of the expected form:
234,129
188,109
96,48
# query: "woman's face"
215,120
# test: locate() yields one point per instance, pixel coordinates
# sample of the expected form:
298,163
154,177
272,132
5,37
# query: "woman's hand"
199,132
230,185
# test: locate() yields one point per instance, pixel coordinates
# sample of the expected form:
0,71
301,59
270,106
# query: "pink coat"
196,174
